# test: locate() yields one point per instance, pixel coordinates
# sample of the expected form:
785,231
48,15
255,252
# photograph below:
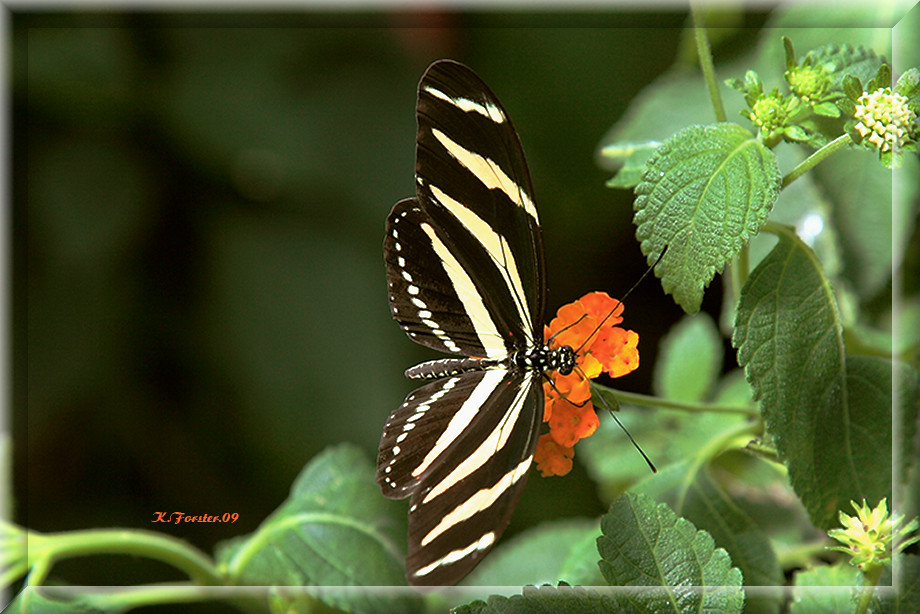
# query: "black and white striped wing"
461,448
465,258
465,270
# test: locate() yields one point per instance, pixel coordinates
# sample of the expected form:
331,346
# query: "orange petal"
590,365
569,422
617,349
600,304
551,458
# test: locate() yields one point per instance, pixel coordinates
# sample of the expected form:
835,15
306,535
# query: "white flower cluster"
884,119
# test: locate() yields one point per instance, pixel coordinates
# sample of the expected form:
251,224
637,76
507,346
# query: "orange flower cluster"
599,348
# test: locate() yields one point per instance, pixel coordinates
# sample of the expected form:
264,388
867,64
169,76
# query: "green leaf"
667,436
873,220
706,192
653,116
789,50
690,359
693,494
843,60
907,598
908,84
795,133
882,78
546,554
831,425
906,412
853,87
50,600
826,109
806,601
335,529
631,158
553,600
647,545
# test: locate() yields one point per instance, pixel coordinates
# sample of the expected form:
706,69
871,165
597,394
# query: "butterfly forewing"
472,181
466,276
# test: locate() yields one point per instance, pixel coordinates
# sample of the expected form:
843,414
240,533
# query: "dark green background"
199,299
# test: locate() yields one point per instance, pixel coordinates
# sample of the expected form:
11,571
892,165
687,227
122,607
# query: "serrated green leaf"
552,600
693,494
547,554
827,420
335,529
842,60
647,545
690,359
842,601
706,192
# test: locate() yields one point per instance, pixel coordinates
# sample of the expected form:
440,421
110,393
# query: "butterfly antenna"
619,302
648,461
635,285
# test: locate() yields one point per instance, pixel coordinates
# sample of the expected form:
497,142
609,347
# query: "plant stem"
811,161
704,52
870,580
645,400
46,549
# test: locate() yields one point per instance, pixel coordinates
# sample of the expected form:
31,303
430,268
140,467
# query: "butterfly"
466,276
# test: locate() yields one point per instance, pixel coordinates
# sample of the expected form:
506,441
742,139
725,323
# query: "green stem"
704,52
811,161
644,400
870,580
47,549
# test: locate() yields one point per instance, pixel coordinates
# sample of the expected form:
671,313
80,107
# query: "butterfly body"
465,274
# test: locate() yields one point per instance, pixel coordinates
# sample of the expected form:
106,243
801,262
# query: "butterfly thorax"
539,358
543,358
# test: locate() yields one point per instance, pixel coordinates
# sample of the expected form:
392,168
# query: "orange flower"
551,458
588,326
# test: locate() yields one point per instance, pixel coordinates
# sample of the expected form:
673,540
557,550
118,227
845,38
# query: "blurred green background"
199,201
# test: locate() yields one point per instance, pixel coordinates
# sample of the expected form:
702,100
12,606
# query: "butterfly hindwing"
472,438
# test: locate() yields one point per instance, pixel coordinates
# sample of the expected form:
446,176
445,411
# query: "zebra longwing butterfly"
465,271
